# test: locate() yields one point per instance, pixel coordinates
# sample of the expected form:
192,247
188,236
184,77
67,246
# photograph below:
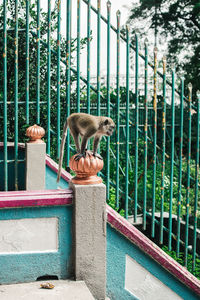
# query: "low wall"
138,269
36,236
37,240
36,230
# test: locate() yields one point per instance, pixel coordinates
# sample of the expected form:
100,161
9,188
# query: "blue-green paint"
117,248
28,267
11,169
50,180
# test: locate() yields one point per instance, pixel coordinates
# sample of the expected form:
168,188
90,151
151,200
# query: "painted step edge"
54,166
37,200
146,245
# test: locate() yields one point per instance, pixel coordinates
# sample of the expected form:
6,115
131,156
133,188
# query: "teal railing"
152,162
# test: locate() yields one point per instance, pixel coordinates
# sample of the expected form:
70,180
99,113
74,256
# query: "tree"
177,22
32,69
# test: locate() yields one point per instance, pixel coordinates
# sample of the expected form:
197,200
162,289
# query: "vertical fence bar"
127,122
171,162
108,102
58,77
180,170
49,79
68,73
27,61
145,132
188,173
5,95
154,141
118,110
16,95
88,54
78,54
98,57
196,184
136,127
163,150
38,65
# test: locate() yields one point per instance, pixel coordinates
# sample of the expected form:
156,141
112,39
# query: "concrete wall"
132,274
142,284
36,230
29,235
35,242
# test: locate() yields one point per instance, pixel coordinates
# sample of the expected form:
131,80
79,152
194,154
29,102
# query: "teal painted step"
50,180
64,289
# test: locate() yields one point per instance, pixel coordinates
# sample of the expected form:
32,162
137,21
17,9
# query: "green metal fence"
152,161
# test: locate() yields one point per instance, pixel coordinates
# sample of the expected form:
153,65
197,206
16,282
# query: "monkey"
86,126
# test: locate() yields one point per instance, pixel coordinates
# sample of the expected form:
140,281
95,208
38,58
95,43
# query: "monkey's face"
108,127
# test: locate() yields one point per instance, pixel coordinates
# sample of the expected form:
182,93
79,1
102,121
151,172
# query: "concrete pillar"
35,166
35,158
90,236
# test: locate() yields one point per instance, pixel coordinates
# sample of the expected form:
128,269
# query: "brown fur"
86,126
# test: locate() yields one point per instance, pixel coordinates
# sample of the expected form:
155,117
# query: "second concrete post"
90,237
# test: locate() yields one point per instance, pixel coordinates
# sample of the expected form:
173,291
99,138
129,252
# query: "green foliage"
112,201
177,23
122,158
150,183
23,123
180,260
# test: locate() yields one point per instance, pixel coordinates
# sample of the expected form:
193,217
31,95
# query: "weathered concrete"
145,285
90,237
35,166
28,235
64,289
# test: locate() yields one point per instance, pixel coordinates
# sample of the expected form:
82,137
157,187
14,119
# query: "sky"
124,6
115,5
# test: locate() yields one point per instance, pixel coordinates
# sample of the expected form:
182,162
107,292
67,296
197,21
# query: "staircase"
63,289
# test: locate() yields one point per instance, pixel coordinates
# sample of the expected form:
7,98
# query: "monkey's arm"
83,146
76,140
84,143
96,142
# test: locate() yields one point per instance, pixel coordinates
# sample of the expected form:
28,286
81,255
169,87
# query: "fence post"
90,236
35,159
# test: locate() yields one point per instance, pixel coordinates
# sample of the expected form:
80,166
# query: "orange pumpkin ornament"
35,133
86,169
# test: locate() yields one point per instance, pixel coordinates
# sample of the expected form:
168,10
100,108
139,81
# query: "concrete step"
64,289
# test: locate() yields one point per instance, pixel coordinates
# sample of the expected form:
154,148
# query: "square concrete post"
90,236
35,166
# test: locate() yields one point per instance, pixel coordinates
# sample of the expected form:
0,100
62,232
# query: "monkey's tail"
62,150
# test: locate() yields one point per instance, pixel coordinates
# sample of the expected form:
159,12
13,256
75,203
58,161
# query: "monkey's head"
107,126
